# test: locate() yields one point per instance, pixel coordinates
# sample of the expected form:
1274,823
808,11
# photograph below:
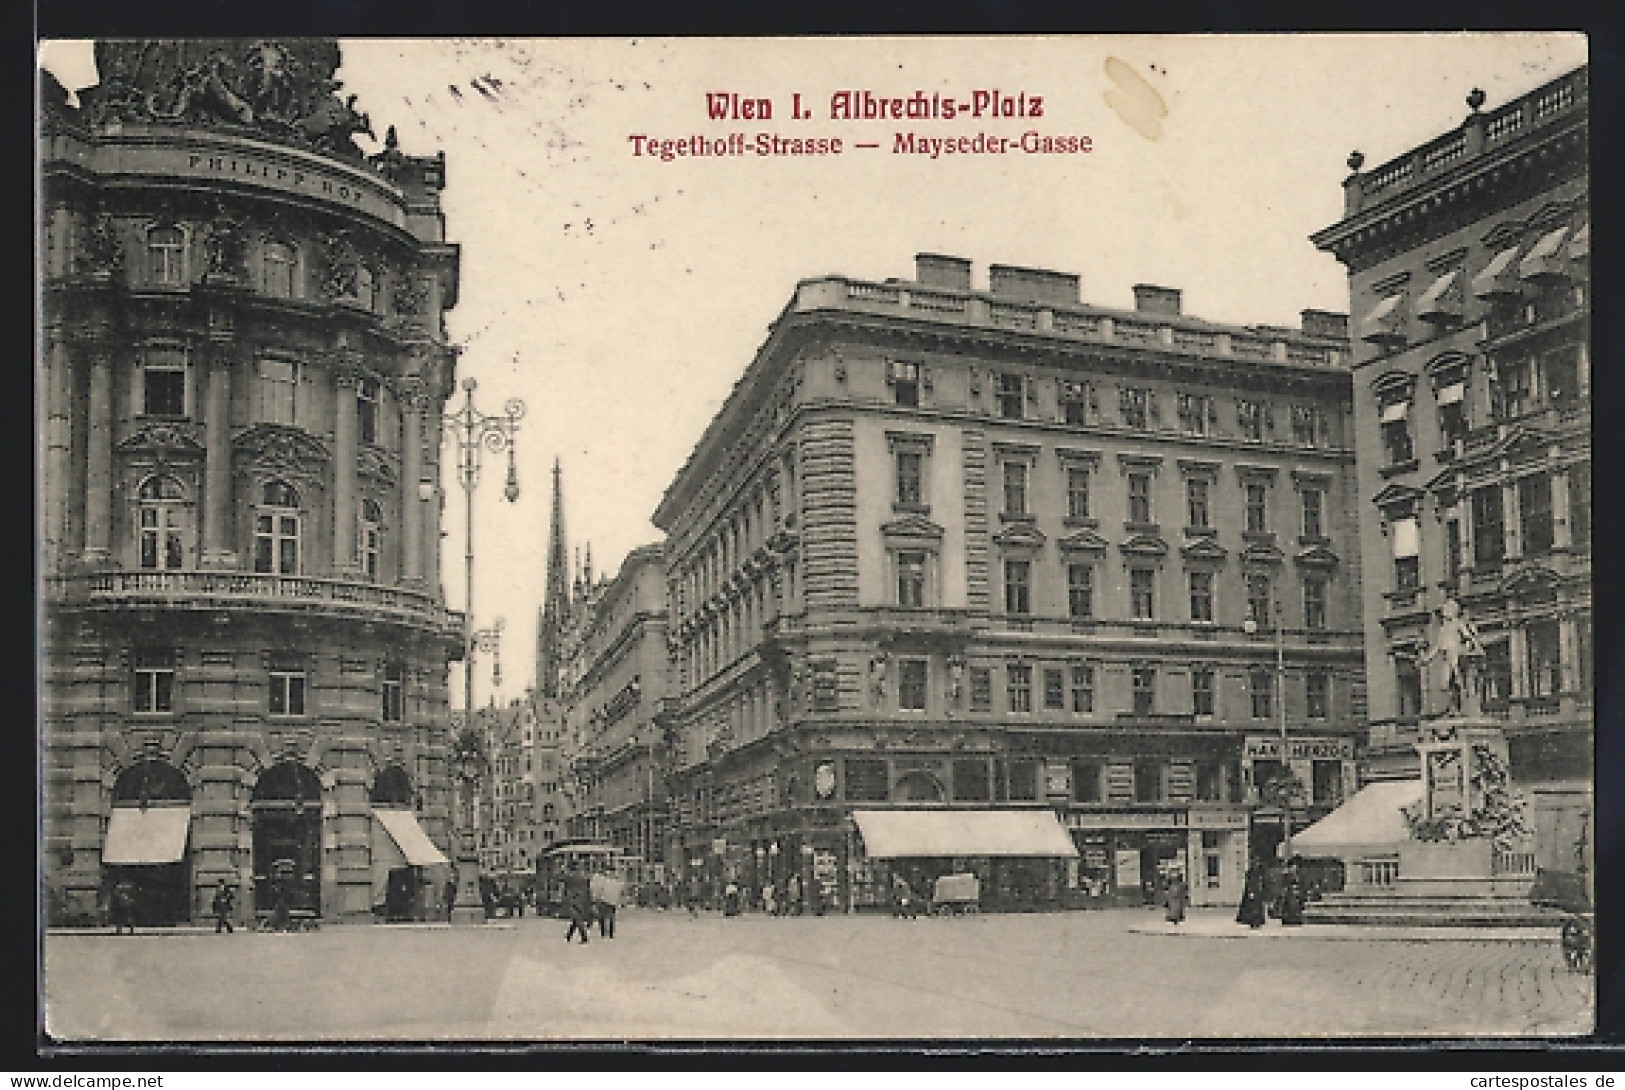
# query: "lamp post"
1250,626
475,432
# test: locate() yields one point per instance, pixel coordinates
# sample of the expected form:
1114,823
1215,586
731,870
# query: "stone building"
957,549
1469,275
245,643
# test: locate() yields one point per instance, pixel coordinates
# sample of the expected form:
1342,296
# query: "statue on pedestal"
1455,642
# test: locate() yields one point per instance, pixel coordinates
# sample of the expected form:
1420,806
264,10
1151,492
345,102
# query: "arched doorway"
287,811
918,787
397,885
146,843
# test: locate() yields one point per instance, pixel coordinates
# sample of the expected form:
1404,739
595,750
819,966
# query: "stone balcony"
234,591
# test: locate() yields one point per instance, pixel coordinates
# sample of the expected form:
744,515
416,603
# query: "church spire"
556,602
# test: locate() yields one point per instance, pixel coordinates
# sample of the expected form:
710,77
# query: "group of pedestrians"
583,907
1255,894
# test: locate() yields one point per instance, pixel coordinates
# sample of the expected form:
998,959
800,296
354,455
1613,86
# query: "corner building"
949,548
245,643
1469,277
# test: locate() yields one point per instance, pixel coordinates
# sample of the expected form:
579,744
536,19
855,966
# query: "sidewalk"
1223,925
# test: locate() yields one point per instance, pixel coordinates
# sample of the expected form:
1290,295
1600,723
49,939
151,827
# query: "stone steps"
1412,910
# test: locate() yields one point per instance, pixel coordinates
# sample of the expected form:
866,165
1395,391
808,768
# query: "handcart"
956,895
1569,892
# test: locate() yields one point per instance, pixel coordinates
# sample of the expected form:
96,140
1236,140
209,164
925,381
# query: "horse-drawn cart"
956,894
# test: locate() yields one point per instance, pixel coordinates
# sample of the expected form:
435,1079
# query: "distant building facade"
1469,274
245,642
955,548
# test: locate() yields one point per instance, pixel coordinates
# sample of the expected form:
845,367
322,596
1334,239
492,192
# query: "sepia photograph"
1014,538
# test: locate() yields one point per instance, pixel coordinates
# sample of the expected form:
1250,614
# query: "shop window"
1201,583
153,683
163,382
1080,591
1202,691
1535,514
1015,488
1054,689
1142,597
1197,514
166,256
981,688
1023,781
1545,659
1139,499
866,780
1327,783
1012,396
911,578
1145,689
1018,587
1314,603
1489,533
276,530
161,524
1256,499
394,693
287,692
1316,693
1260,688
1019,686
1086,781
1147,781
1083,688
1077,492
1313,502
971,781
911,684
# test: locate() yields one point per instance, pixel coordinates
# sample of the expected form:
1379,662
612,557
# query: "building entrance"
287,811
146,847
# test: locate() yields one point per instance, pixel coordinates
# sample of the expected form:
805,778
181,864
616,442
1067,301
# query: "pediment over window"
1258,553
1317,556
1504,234
1204,548
1144,545
370,463
1020,535
1393,385
281,447
164,441
1521,441
912,527
1531,581
1397,495
1084,541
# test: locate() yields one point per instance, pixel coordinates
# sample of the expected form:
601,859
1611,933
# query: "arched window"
372,527
161,524
280,264
166,255
276,530
288,782
391,787
151,781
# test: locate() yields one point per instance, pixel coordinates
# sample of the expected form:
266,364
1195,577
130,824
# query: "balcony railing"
253,590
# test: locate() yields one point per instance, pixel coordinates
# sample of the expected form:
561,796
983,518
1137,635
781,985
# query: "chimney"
942,271
1325,323
1150,299
1033,285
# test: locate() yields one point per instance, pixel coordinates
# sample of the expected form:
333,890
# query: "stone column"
217,549
99,459
58,448
412,400
345,379
1511,526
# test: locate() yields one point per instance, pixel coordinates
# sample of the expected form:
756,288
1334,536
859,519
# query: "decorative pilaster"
413,399
217,549
345,379
1562,528
99,459
58,448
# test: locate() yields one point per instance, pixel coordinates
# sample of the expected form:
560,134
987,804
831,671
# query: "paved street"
1090,974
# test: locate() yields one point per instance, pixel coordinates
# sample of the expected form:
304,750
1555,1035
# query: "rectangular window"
1316,692
1408,685
1139,498
1313,501
163,383
1545,659
1142,597
1015,488
366,407
276,543
866,780
981,688
1201,597
911,680
1314,603
1083,688
970,781
1023,781
1193,411
1326,783
1145,689
905,382
394,702
1196,503
1201,691
1209,787
1261,688
1080,591
1580,507
1133,405
1019,686
1394,420
287,692
1535,514
1250,420
1258,599
1407,554
278,389
1017,587
1086,781
1054,690
911,579
1077,492
1489,532
1012,397
1147,781
153,691
910,478
1257,502
1308,425
1452,551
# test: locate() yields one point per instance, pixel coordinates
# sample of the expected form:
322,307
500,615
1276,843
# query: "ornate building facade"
245,642
997,549
1469,274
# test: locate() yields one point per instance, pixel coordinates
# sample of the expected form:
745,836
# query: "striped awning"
403,828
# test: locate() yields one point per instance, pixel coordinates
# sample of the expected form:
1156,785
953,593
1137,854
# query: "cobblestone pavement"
665,975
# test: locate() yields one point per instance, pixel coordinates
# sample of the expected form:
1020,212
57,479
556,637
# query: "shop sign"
1263,747
719,846
1218,819
1127,820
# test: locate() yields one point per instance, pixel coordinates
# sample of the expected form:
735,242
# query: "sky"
621,296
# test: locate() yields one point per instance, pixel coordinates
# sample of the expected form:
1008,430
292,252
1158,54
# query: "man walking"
225,899
121,907
577,903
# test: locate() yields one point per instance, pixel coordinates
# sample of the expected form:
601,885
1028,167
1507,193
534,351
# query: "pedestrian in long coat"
578,905
1178,896
121,907
225,899
1292,896
1251,911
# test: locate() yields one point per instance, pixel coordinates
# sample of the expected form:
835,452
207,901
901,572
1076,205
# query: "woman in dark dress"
1251,911
1292,896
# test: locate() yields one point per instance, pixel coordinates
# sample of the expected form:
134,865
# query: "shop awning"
1369,820
920,834
1441,298
1542,259
1394,411
148,836
1493,279
1580,244
408,835
1385,321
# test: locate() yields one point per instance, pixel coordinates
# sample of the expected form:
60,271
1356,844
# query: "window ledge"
1142,528
1394,469
1258,537
1082,522
1017,516
911,508
1201,531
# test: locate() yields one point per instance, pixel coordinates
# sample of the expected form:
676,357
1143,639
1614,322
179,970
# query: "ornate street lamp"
468,762
474,432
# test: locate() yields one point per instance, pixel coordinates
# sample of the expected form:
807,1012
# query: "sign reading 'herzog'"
1263,747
